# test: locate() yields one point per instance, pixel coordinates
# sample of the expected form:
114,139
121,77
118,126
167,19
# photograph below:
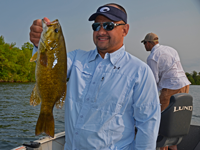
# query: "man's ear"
125,29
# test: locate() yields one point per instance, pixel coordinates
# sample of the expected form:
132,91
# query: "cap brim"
109,16
142,41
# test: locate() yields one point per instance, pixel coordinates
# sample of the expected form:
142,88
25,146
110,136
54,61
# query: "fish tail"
45,124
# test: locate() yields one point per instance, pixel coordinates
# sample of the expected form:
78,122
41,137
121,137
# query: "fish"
51,76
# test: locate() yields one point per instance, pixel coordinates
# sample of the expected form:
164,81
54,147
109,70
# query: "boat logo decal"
180,108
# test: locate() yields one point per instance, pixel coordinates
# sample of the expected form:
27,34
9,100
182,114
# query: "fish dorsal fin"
34,57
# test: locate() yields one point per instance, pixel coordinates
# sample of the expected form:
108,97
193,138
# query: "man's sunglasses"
145,42
108,26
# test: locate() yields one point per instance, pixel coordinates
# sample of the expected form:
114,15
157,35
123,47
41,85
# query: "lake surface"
18,118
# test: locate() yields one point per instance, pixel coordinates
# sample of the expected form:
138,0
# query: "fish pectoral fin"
34,57
60,102
35,99
43,59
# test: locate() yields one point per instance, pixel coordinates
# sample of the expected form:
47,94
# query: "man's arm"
146,111
154,67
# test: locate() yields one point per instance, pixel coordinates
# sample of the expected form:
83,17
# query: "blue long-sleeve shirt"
106,99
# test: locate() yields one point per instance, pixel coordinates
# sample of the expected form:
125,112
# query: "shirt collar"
114,57
156,46
94,55
117,55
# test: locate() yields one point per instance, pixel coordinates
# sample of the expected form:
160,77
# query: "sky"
176,22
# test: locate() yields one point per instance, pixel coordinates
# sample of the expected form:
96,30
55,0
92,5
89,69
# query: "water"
18,118
195,92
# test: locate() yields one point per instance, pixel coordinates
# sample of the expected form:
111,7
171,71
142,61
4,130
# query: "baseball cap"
150,37
110,12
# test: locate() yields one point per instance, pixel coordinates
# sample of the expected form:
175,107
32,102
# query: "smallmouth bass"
51,76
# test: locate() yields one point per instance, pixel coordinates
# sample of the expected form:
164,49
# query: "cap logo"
104,9
111,12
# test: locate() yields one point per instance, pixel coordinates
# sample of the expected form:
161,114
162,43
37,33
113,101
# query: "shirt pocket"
113,93
81,79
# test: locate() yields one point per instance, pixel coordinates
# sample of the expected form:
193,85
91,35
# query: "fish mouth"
47,44
50,23
54,22
44,23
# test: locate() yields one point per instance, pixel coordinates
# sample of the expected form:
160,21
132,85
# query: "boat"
45,143
177,130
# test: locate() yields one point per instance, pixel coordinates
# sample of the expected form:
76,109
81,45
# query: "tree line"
193,77
15,65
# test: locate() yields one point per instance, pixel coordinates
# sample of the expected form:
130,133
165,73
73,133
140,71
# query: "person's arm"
154,67
146,111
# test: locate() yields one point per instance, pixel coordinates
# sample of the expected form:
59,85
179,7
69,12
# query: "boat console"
175,120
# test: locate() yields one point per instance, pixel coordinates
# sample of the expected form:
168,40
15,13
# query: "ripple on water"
18,118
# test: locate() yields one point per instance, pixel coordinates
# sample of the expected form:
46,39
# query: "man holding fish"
110,93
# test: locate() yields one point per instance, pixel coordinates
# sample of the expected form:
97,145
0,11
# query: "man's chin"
102,48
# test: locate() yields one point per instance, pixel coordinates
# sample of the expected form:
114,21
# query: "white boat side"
48,143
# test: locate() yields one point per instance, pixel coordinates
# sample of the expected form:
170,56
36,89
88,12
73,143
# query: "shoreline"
1,81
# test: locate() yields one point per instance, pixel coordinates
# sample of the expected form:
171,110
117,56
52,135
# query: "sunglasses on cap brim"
108,26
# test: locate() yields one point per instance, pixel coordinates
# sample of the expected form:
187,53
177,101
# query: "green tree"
2,40
27,46
194,77
15,65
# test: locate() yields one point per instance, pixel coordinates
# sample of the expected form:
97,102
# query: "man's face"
109,41
147,46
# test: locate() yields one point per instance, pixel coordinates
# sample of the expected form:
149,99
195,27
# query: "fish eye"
56,30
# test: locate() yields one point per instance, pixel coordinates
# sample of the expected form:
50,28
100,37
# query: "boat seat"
192,140
175,120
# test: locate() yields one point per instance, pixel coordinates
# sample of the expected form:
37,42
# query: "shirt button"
76,133
99,66
88,99
81,116
93,82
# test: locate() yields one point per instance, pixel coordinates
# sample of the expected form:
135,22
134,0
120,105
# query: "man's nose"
102,30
